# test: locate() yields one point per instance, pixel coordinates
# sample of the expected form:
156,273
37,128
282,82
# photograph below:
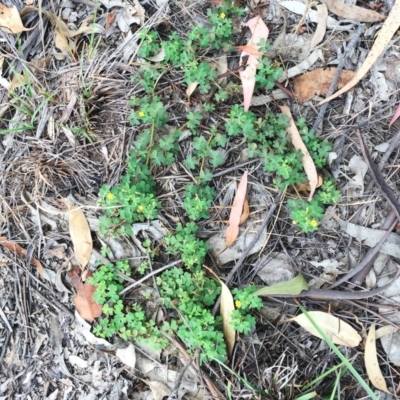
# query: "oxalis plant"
186,291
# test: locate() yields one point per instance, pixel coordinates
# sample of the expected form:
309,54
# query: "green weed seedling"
211,128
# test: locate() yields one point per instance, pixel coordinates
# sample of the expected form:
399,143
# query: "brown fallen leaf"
16,248
245,213
305,187
10,20
317,82
250,50
308,163
87,308
110,20
81,236
232,231
349,11
385,35
371,362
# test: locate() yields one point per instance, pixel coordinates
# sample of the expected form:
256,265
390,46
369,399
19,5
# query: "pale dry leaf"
226,309
160,56
248,77
81,236
10,20
389,28
340,332
16,248
61,42
84,302
308,163
350,11
384,331
371,362
321,26
159,389
232,231
318,82
18,80
127,355
192,86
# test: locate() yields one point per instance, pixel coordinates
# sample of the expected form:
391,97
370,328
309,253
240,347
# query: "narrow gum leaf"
226,309
232,231
371,362
293,287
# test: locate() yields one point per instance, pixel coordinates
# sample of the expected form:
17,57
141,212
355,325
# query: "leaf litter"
52,182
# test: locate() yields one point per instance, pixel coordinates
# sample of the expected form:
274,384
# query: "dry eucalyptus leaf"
127,355
227,307
385,35
81,236
232,231
293,287
371,362
350,11
10,20
321,26
192,86
317,82
340,332
297,141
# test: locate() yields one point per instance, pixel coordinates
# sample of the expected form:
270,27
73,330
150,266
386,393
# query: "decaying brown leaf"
297,141
10,20
245,213
371,362
81,236
385,35
16,248
232,231
84,302
305,187
349,11
317,82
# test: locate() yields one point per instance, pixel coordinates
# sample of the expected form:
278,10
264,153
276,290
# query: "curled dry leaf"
371,362
16,248
232,231
10,20
84,302
308,163
389,28
340,332
349,11
227,307
317,82
81,236
321,26
248,77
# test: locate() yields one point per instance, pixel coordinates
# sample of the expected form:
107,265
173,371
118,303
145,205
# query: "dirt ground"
65,91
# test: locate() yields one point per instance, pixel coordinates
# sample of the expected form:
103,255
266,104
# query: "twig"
149,276
336,78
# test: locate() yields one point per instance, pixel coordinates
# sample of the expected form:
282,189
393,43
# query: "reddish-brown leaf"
250,50
16,248
232,231
84,302
395,117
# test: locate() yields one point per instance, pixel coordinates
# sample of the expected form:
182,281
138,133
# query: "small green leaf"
294,286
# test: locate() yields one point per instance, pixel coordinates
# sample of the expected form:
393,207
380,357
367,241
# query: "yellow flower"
238,303
140,208
110,196
294,222
314,223
141,114
222,15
